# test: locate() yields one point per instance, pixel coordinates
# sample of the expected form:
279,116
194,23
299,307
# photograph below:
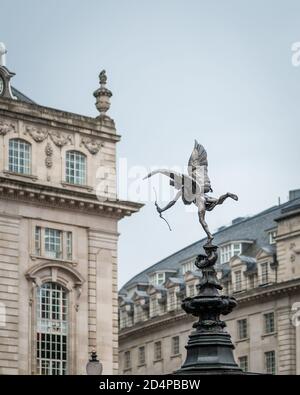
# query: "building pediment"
265,252
174,282
191,275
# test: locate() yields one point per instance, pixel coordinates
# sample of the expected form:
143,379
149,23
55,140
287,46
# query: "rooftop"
253,229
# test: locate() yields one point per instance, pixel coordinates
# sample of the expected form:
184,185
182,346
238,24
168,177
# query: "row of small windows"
269,356
269,362
157,353
19,161
268,322
53,243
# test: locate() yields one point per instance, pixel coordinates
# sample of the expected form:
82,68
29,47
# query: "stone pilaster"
286,358
9,293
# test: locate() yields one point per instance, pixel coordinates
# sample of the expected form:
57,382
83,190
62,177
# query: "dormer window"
230,250
238,280
157,278
188,266
154,307
264,273
19,156
172,302
272,236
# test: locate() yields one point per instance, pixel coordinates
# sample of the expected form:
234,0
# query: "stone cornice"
57,119
246,297
41,195
154,323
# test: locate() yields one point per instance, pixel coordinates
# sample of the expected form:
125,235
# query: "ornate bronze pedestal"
209,349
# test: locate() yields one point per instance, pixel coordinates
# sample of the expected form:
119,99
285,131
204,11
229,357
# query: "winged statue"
194,187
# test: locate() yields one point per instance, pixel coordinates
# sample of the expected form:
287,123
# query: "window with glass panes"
127,359
75,168
172,300
230,250
157,278
53,243
270,362
69,245
238,280
188,267
52,330
153,306
175,345
272,236
269,322
242,328
37,240
142,355
157,351
191,290
243,363
19,156
264,273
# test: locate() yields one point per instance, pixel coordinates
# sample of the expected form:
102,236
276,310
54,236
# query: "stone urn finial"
102,95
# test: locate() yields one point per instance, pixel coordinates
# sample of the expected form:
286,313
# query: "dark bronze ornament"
209,348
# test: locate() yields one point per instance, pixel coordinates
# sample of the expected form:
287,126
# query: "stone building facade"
58,236
259,264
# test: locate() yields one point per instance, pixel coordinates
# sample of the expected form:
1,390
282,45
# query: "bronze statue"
193,188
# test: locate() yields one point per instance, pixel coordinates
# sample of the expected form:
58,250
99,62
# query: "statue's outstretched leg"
202,221
225,196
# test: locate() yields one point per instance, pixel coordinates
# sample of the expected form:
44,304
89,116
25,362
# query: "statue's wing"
197,166
177,180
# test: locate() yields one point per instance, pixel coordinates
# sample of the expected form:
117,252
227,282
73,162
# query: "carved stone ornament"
6,127
37,134
49,153
91,144
60,139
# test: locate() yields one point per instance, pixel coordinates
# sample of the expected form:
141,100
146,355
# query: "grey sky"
219,71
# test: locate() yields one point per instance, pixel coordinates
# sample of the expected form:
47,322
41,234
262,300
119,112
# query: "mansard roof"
20,96
251,229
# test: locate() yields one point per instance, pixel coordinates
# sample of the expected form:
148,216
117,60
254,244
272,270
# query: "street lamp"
94,366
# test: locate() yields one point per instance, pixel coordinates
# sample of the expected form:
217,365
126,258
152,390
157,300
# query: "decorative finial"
3,52
103,95
102,77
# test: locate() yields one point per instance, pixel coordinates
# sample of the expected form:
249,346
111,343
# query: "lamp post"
94,366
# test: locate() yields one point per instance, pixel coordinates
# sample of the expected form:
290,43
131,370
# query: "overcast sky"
219,71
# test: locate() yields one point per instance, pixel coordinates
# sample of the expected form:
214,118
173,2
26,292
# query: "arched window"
52,329
75,168
19,156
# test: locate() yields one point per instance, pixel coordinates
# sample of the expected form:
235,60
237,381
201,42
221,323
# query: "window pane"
175,345
75,168
238,280
270,363
37,240
157,350
142,355
269,322
242,329
19,156
243,362
127,358
69,246
52,330
264,273
53,243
